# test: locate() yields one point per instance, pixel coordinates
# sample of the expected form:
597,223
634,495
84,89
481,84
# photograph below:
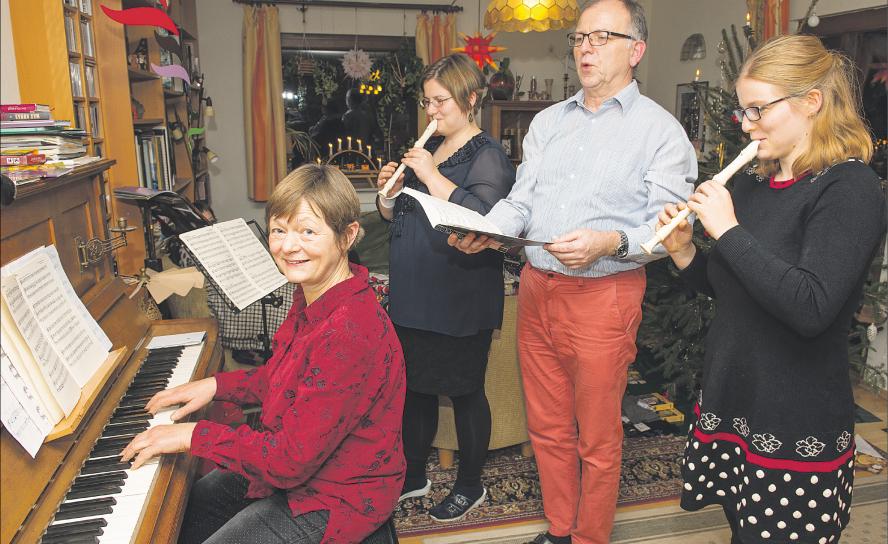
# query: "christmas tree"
675,319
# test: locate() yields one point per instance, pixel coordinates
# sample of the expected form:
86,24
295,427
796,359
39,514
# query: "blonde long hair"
798,64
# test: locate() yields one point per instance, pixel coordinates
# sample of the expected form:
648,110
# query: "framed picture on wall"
689,111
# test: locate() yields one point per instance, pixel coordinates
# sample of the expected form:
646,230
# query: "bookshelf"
72,57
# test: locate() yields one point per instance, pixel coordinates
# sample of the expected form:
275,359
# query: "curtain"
770,18
435,38
265,134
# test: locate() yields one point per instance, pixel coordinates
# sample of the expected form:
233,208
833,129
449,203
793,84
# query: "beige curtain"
263,106
435,38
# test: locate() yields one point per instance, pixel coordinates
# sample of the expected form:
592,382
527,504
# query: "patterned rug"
650,473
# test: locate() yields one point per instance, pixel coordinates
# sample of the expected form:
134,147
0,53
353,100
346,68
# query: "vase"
501,85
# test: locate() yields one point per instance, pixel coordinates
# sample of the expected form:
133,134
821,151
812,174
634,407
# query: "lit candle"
379,159
339,144
697,75
330,145
369,150
748,18
319,160
349,138
360,145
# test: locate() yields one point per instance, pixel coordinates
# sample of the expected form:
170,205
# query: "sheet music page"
441,212
87,318
22,359
219,262
25,395
16,420
61,383
63,324
252,255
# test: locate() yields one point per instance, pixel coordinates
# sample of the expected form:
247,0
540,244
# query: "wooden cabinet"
72,57
508,121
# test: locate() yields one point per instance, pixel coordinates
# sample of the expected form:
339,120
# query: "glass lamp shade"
531,15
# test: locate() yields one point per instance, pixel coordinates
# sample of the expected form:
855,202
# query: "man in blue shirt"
597,168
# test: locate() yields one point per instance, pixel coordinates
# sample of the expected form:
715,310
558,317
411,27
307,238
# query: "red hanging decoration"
141,16
479,49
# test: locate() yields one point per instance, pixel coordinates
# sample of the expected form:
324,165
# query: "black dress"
773,440
445,303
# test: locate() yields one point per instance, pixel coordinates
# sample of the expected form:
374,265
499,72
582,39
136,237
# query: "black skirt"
440,364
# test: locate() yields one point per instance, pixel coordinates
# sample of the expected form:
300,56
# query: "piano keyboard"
104,504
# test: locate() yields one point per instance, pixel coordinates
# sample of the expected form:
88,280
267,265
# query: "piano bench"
384,535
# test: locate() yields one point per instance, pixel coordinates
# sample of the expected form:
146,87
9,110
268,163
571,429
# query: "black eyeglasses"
754,113
596,37
436,100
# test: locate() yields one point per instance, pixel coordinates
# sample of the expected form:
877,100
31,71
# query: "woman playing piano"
327,465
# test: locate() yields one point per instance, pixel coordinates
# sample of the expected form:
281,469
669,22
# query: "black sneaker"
546,538
418,492
455,507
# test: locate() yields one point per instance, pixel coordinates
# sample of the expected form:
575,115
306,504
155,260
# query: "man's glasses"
596,37
754,113
436,101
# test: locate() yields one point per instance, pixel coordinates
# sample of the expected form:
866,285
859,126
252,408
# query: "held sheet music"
236,260
448,218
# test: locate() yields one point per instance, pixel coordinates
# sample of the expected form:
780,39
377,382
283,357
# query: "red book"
22,160
30,116
22,108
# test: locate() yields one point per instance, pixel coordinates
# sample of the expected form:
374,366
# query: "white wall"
9,89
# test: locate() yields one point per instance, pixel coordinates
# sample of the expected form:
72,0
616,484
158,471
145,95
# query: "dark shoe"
416,492
455,507
546,538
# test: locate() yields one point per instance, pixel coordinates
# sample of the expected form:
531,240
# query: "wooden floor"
868,522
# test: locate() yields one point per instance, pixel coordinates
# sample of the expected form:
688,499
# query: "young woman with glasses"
773,439
445,304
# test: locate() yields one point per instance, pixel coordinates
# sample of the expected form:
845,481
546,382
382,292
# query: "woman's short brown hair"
798,64
329,193
461,77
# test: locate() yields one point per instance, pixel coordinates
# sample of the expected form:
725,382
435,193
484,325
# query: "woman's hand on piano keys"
193,396
157,440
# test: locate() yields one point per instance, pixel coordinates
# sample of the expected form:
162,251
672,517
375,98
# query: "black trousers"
218,513
472,415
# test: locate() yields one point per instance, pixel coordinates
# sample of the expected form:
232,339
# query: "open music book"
235,260
451,218
50,347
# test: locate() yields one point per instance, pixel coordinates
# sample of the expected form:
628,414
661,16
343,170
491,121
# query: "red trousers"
576,338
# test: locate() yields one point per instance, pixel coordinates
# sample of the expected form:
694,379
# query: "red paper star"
479,49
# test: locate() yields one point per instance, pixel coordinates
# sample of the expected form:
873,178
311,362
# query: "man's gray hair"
636,13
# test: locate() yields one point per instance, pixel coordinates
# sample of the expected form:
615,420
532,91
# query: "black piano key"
74,536
84,539
127,427
56,528
86,508
107,477
124,411
129,418
99,491
81,486
104,465
112,441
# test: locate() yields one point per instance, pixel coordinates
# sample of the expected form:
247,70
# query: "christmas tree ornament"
478,47
356,64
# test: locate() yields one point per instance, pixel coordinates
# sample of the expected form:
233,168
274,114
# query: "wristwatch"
622,249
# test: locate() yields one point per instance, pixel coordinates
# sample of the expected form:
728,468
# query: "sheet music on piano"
233,258
51,345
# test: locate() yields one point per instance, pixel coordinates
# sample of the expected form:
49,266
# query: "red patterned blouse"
332,397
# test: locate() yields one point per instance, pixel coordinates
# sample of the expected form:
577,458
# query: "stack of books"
34,146
155,159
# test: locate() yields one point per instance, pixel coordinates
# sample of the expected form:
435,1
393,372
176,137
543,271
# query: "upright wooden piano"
62,212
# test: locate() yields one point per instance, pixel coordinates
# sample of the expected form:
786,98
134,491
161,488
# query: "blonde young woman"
445,304
773,439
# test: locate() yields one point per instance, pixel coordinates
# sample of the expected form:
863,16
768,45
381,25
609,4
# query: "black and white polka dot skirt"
768,505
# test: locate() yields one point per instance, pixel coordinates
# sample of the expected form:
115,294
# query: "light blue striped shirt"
611,169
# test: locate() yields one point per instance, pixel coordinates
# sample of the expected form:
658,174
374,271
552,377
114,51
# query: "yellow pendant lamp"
531,15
